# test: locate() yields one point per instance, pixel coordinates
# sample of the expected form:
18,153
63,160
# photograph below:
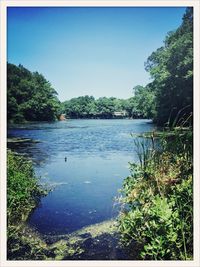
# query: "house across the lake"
122,113
62,117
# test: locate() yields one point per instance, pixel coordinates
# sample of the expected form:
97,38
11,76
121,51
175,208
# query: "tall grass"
158,196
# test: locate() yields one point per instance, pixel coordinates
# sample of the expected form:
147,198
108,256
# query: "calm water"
85,185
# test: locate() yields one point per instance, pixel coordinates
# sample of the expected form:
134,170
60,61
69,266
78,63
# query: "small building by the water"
62,117
122,113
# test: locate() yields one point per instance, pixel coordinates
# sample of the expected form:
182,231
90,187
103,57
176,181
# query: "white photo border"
4,4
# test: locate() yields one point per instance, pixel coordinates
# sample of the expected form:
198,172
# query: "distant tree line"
30,97
139,106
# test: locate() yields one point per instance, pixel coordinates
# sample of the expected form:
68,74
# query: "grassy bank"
23,195
158,199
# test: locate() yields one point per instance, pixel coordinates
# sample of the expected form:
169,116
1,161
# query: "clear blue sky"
89,51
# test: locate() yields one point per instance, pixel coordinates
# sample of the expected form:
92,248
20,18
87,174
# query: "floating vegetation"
98,242
21,140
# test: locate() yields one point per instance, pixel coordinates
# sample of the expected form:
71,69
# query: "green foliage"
171,68
139,106
23,188
158,199
144,101
80,107
30,96
23,194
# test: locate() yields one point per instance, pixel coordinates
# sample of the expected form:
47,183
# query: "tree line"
139,106
32,98
167,98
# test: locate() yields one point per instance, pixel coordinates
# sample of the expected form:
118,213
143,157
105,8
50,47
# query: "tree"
171,68
106,107
30,96
144,102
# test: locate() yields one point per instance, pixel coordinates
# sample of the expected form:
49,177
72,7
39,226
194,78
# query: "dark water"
86,183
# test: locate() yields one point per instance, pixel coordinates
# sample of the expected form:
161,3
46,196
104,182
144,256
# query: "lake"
85,162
